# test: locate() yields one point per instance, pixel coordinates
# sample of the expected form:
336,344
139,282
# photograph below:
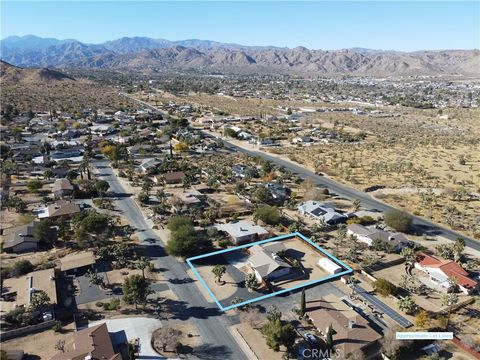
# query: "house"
149,164
242,231
302,139
321,212
440,270
61,188
266,263
353,332
329,266
20,239
242,171
61,208
77,262
89,344
20,289
368,236
185,199
175,177
279,192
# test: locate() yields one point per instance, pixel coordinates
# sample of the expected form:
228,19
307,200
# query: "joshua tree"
219,271
407,304
356,205
449,300
251,282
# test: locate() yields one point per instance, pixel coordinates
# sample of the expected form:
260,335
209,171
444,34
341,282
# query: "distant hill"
143,53
13,74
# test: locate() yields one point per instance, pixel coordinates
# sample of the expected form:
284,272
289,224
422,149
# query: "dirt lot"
40,344
221,291
256,342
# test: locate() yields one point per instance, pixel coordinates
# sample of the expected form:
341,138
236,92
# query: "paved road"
191,306
421,225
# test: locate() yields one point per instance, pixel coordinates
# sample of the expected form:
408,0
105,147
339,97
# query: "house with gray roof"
266,263
368,236
242,231
20,239
321,212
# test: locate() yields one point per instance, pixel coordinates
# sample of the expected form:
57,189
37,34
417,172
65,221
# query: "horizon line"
242,45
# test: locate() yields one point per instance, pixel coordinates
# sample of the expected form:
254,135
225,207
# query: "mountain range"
143,53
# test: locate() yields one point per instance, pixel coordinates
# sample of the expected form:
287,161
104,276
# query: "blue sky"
404,26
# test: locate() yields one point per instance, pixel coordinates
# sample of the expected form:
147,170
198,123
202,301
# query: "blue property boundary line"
277,238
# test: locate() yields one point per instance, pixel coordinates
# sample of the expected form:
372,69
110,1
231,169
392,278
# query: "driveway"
132,328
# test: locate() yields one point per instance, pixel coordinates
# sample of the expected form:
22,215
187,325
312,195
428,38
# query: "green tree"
329,337
409,256
251,282
277,334
102,187
143,197
407,304
398,220
48,174
40,300
185,241
449,300
143,263
218,271
42,232
274,313
136,290
21,267
302,303
268,214
458,247
384,287
34,185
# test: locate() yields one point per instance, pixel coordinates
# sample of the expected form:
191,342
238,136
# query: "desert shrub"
384,287
399,220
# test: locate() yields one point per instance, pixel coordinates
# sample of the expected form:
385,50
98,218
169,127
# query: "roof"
332,311
264,259
150,163
450,268
77,260
93,343
241,228
18,235
377,234
320,210
62,185
38,280
60,208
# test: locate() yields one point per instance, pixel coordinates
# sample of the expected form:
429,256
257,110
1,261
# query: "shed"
329,266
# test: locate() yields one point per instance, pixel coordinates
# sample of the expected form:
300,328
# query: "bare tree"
60,345
252,317
167,337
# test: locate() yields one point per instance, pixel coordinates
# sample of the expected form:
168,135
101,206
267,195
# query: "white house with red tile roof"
440,270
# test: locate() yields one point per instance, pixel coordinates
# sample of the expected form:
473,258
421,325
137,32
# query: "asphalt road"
420,225
191,306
